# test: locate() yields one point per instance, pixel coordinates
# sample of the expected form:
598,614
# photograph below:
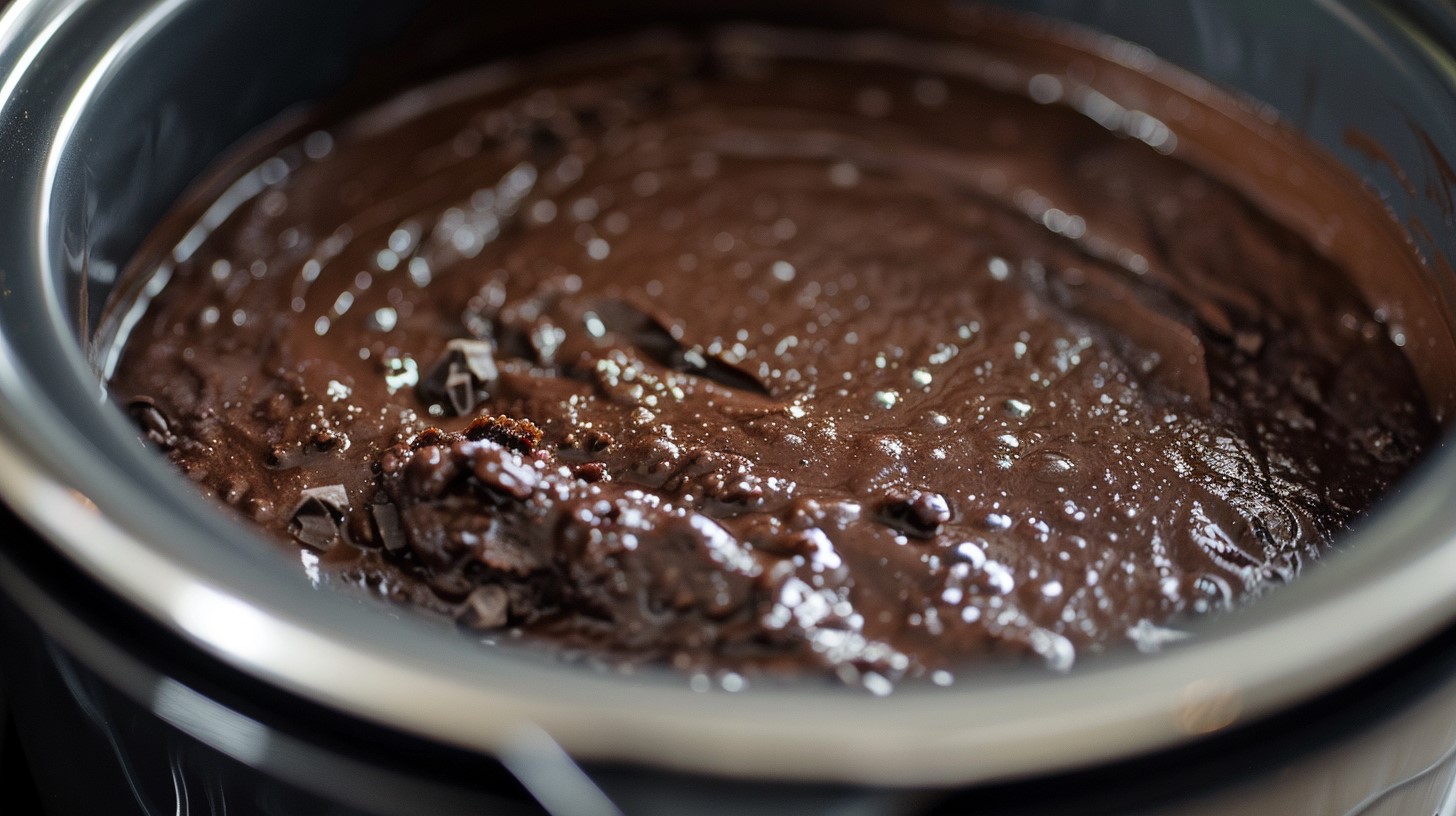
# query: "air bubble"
385,318
273,171
1018,408
877,684
1150,638
318,145
1044,89
401,372
972,554
402,240
999,268
997,521
844,174
1058,652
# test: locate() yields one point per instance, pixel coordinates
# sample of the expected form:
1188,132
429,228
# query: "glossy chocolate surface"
781,350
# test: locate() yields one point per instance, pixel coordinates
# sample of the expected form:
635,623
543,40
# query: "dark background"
17,792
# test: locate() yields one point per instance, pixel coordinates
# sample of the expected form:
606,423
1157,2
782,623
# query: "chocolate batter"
776,350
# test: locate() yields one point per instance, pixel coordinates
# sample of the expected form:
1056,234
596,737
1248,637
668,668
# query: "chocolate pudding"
769,350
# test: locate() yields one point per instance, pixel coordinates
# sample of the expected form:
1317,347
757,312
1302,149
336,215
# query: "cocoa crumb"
520,435
429,436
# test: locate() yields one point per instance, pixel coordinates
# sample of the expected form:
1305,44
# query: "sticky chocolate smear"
832,360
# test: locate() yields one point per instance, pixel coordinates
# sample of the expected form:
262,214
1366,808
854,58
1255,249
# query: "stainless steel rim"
1388,589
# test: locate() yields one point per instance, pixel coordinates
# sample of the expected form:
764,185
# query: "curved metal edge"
235,735
130,40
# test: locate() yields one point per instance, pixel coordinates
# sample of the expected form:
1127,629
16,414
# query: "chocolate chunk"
389,526
431,471
918,513
318,514
520,435
487,607
153,422
497,452
461,379
502,472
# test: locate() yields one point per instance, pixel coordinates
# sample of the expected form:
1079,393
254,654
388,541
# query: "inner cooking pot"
109,111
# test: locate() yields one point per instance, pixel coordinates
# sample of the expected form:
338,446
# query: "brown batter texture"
774,350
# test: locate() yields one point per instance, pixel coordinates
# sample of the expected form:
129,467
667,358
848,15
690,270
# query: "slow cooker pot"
159,658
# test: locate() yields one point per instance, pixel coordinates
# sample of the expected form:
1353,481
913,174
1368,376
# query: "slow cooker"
158,658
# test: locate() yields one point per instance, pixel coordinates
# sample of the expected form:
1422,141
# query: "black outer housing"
93,749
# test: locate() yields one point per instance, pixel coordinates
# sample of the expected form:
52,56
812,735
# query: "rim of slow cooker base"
146,662
995,725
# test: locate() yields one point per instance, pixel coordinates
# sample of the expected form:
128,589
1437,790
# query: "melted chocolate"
781,350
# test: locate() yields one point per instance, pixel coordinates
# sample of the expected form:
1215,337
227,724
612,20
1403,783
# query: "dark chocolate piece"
486,607
389,527
153,422
318,514
462,378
